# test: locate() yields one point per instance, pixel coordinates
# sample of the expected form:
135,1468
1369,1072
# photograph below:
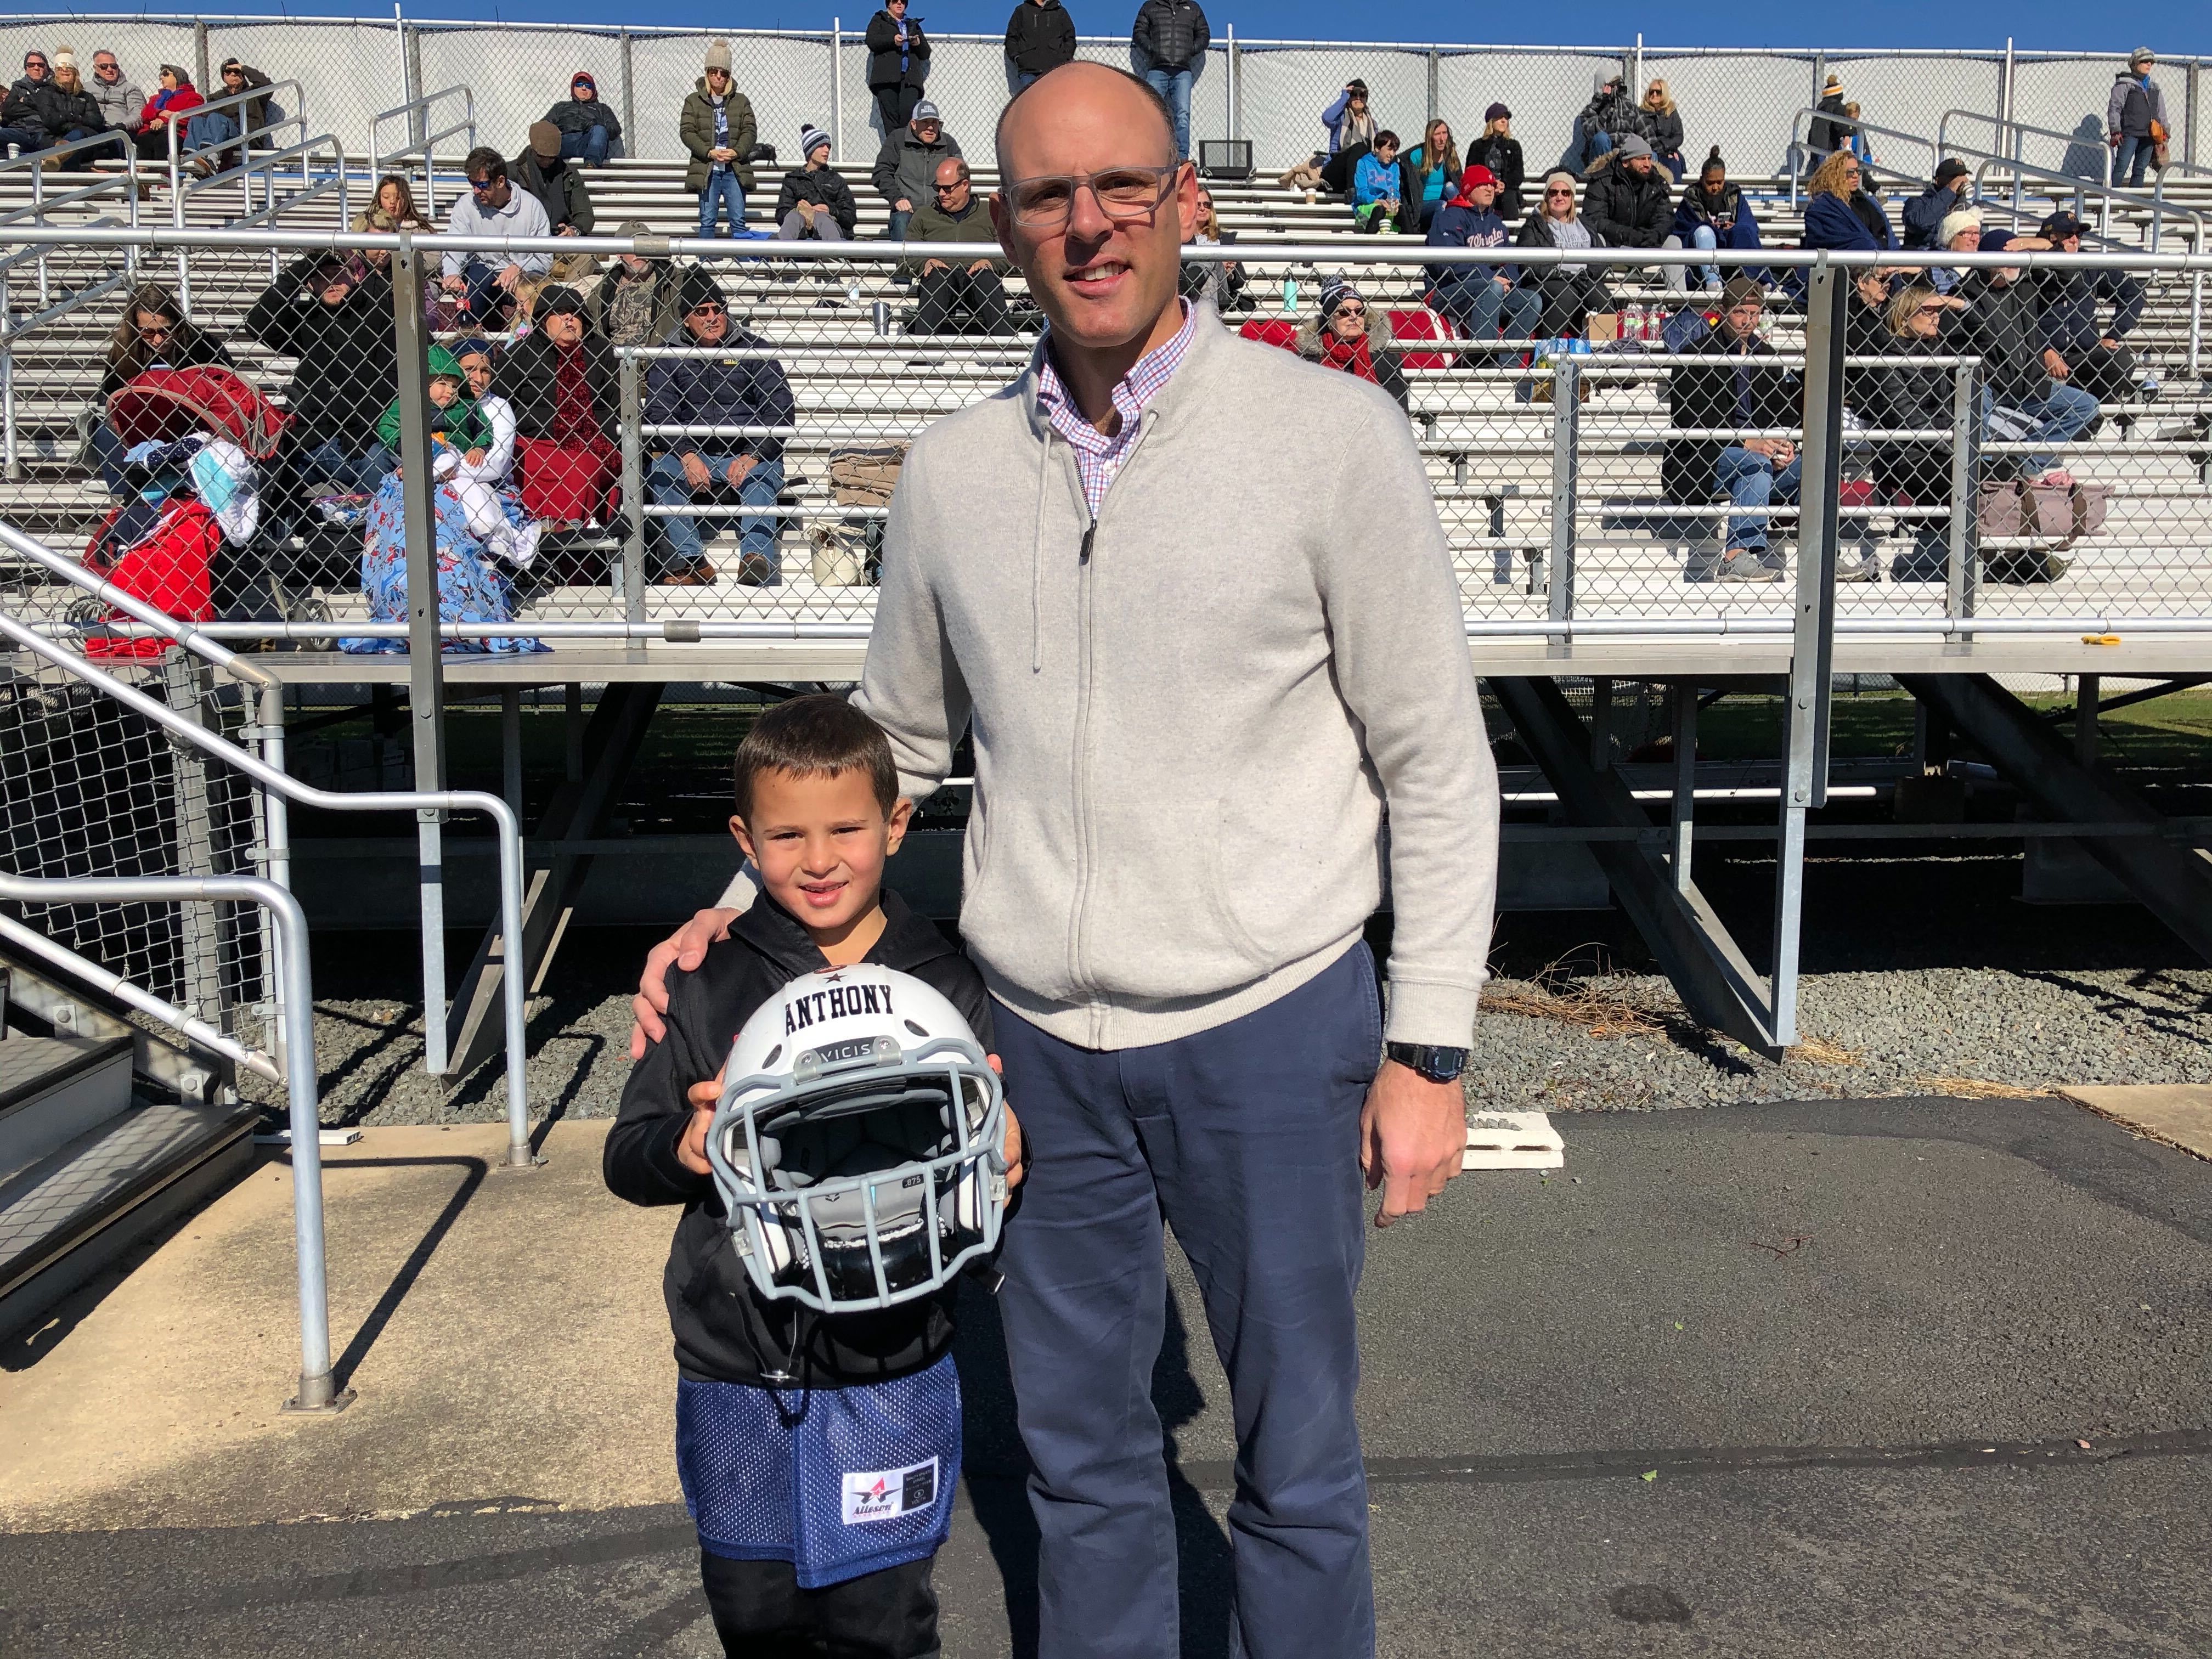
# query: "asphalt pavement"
1820,1378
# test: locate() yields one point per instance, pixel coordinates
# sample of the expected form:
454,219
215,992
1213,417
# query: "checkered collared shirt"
1097,457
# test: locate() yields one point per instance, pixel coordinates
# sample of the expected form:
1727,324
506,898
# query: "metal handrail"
252,165
2002,124
380,159
2154,204
318,1385
271,778
1797,148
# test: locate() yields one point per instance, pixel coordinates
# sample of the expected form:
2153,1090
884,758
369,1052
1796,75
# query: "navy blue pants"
1245,1139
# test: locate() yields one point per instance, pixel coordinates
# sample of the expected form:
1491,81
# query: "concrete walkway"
1808,1379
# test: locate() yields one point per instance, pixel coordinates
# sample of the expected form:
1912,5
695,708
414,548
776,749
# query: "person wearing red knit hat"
589,129
1482,301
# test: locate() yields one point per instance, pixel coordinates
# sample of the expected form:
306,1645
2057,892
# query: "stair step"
53,1089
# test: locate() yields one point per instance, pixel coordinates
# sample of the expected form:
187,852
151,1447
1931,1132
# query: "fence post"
1966,480
836,87
1236,91
2189,115
277,848
629,94
426,680
418,120
2005,91
633,489
1566,423
200,932
199,57
1435,78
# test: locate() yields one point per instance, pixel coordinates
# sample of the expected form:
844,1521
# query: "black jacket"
1739,388
1171,33
1663,132
1503,157
1040,37
348,363
561,191
40,105
1905,396
1626,210
724,1332
2068,299
826,189
1829,134
2006,326
1925,214
573,114
527,377
883,52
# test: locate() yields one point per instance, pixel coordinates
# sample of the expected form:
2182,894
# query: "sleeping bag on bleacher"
160,551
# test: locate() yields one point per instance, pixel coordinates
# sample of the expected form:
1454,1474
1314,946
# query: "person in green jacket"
717,128
462,437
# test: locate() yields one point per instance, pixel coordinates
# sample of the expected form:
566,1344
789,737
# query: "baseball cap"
2058,227
1952,168
926,111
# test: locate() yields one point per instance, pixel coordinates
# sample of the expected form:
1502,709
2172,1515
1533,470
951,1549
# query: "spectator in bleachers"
1346,337
2091,354
466,457
1569,291
1960,233
2135,119
493,207
1662,127
171,103
736,392
1625,200
27,112
1713,214
153,333
216,132
1924,215
2020,372
963,298
542,171
1608,118
898,63
1431,171
814,204
393,209
336,319
561,381
635,303
1500,151
79,109
1855,137
905,172
1482,301
1377,187
119,100
1906,396
1745,387
1351,129
495,467
1172,36
1040,37
1839,212
1221,285
717,129
1826,135
589,129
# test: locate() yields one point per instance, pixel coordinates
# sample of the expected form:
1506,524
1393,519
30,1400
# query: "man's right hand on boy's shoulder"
691,1150
686,948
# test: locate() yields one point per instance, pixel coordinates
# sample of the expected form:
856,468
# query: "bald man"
1190,598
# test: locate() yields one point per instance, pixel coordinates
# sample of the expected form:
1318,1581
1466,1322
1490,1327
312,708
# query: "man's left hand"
739,469
978,267
1413,1133
565,230
508,276
2056,364
2109,343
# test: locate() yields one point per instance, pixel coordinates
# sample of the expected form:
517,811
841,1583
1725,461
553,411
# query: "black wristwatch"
1438,1065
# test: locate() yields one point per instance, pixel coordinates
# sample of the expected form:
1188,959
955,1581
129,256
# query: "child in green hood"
460,437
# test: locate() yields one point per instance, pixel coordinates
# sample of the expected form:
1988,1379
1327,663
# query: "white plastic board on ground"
1512,1141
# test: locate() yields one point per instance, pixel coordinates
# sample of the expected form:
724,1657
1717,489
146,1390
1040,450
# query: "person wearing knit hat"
1345,335
1960,233
2135,119
717,129
1497,149
1826,133
589,129
1482,301
2096,360
1739,384
814,204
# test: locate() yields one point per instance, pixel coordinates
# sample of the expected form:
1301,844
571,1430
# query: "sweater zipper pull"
1089,531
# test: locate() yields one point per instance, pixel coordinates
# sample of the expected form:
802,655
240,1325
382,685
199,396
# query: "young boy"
463,440
818,811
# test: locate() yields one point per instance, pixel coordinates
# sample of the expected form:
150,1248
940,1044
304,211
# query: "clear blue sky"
2177,28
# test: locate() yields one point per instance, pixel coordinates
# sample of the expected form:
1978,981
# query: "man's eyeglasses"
1123,194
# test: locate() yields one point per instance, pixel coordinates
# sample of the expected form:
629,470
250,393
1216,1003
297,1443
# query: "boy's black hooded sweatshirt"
724,1331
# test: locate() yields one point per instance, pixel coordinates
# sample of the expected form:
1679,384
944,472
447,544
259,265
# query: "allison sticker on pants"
887,1494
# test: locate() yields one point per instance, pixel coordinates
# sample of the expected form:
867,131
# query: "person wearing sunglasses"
717,130
1348,338
1840,212
969,297
1569,291
493,207
1182,587
743,395
153,333
1907,395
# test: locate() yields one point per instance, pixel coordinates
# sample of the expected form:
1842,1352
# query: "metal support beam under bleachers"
577,812
2173,879
1718,985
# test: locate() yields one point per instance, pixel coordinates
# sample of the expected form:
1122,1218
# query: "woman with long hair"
1571,291
393,208
169,106
1500,151
1221,283
153,333
1432,170
1909,396
1840,212
1662,127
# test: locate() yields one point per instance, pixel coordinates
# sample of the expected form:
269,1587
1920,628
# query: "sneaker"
1866,568
1746,564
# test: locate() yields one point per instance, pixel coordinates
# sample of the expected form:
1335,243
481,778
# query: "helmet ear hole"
914,1027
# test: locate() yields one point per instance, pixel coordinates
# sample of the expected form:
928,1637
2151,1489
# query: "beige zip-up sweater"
1186,743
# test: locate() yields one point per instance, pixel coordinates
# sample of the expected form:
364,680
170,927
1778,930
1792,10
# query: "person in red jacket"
177,96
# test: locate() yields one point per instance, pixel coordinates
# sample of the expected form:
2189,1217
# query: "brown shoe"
701,574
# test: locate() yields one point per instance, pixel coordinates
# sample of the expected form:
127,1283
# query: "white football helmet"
859,1145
